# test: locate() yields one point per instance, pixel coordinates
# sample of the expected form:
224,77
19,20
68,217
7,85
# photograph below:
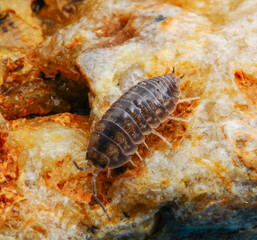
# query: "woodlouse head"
96,158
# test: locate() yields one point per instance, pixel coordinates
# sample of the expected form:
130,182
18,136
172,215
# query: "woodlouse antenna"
80,168
96,172
95,193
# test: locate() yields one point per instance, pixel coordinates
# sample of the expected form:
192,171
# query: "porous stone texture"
204,187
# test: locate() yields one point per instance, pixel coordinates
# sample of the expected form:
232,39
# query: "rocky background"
63,63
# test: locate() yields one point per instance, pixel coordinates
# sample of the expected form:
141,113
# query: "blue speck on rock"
159,18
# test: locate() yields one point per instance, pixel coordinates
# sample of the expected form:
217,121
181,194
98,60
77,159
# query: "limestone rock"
205,185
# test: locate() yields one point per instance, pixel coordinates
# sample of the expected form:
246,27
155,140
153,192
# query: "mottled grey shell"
135,114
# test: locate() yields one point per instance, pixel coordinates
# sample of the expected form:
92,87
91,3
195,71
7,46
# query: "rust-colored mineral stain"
241,149
167,24
24,98
249,159
105,184
40,229
16,65
5,201
149,6
20,70
9,171
105,104
247,85
8,196
202,200
173,130
215,169
28,222
75,41
165,182
71,187
65,119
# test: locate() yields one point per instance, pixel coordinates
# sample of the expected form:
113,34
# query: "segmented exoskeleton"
135,114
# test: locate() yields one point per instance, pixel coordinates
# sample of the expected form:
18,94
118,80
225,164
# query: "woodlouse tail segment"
173,70
80,168
96,172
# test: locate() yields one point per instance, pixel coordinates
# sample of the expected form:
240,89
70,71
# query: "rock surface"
204,186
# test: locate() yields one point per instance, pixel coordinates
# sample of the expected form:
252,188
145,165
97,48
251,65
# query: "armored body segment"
154,103
109,148
146,110
97,158
157,91
160,85
173,85
124,120
168,99
117,134
135,113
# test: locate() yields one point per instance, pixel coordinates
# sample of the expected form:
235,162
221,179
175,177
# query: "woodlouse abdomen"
135,114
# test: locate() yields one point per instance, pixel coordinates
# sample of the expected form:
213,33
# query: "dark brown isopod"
135,114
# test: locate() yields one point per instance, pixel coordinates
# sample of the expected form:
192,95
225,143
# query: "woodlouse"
135,114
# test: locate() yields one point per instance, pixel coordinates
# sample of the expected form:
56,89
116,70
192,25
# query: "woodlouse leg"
178,119
95,193
160,136
132,163
188,99
133,79
108,172
137,153
80,168
145,145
